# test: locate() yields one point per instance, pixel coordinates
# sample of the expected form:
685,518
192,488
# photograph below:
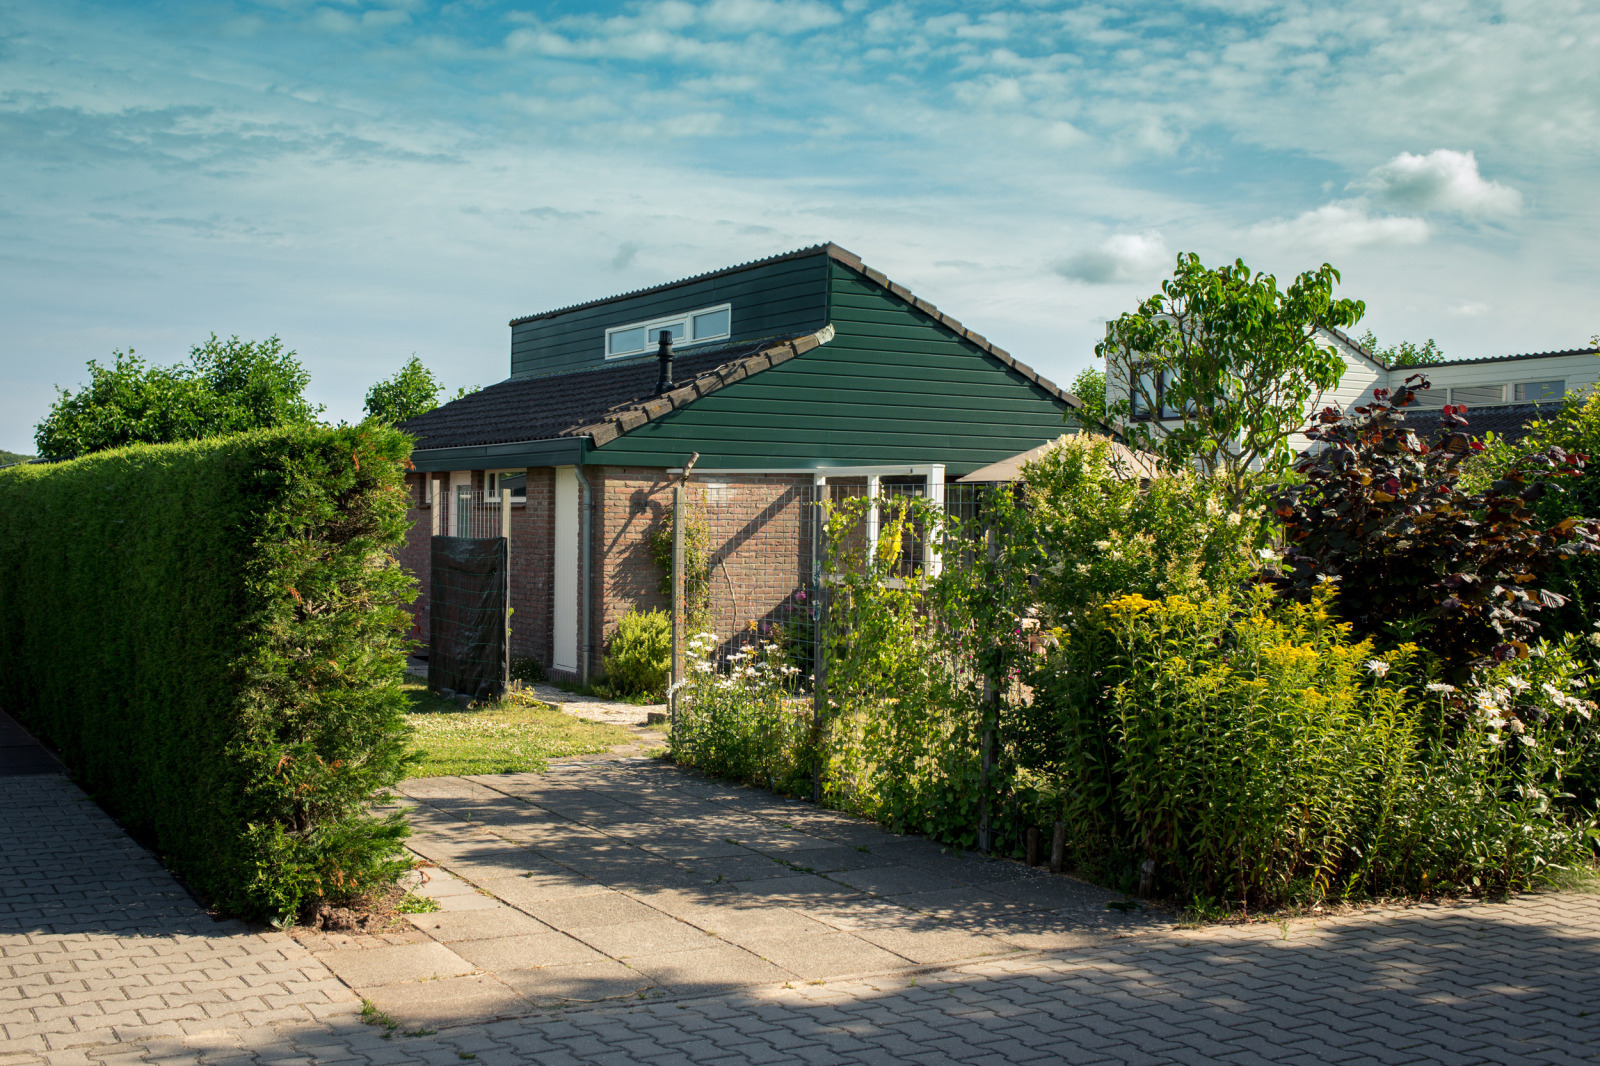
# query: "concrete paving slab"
798,889
577,983
589,912
518,891
893,880
706,969
452,1001
447,926
527,952
652,936
395,964
827,955
925,946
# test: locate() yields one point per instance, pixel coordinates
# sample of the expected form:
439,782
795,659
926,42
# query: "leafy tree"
12,458
412,391
1090,387
1417,555
1222,367
1405,353
227,386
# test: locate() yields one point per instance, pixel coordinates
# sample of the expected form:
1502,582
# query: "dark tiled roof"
602,403
1509,358
1507,420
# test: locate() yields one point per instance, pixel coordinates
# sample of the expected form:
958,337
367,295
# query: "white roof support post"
933,556
874,485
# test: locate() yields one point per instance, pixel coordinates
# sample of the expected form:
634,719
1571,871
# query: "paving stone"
526,952
448,926
707,968
396,964
579,982
820,956
451,1001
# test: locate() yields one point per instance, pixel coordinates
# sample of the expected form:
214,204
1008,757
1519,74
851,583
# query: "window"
1152,386
1478,394
691,327
515,480
1534,391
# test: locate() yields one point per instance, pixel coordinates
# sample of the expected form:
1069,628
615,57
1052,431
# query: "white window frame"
491,485
1522,385
653,326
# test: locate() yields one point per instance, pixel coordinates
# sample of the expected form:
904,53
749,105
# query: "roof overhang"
557,451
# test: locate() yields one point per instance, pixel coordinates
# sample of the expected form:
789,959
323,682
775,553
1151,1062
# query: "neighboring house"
1501,393
787,373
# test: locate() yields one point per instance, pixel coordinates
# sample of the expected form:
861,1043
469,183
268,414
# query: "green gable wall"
774,299
893,387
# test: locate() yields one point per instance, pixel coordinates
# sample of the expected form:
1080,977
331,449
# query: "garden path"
104,958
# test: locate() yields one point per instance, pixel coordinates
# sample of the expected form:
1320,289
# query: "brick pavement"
104,959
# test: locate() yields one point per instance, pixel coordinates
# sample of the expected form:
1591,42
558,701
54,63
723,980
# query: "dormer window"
692,327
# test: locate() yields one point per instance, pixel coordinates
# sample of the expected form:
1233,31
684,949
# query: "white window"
515,480
1533,391
691,327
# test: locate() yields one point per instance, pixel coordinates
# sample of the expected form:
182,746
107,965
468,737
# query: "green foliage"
1418,558
696,563
228,386
1090,387
413,390
1199,742
639,659
1235,360
1251,751
746,721
411,903
11,458
512,735
235,628
1403,354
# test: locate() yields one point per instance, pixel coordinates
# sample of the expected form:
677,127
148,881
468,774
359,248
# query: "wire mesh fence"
765,565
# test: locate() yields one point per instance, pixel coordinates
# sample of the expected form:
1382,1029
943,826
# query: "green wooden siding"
789,296
893,387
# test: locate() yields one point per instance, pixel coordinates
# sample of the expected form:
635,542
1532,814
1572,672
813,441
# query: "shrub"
213,635
1417,556
1253,751
639,661
743,721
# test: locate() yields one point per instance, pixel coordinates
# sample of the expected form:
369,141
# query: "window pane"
626,340
1471,394
1533,391
675,327
516,481
711,324
1144,393
1168,380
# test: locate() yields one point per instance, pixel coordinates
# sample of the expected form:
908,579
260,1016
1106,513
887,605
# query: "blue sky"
373,178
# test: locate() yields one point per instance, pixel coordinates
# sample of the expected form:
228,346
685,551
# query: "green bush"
1254,752
213,635
639,659
743,721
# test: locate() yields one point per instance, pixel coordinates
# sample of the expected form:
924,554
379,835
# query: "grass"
500,738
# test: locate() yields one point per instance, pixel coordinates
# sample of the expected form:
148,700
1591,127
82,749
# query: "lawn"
501,738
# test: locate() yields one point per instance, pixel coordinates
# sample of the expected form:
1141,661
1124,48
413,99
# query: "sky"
372,179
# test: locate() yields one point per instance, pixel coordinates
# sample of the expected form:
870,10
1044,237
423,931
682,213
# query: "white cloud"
770,16
1121,257
1342,226
1441,181
1470,309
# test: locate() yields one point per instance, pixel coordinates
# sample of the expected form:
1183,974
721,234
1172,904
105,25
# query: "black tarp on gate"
467,615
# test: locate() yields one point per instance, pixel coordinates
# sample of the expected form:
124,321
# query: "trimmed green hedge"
213,635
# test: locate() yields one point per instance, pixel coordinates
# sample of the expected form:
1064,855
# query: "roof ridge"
1503,358
827,248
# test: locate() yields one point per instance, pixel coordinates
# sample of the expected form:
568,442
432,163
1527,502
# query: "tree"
1222,368
226,387
1405,353
1090,387
1419,556
412,391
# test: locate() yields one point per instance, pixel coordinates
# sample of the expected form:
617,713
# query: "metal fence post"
677,600
505,636
986,752
819,633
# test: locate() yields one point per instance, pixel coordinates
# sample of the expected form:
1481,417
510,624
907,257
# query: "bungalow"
775,377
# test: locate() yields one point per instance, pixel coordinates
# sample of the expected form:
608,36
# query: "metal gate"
470,593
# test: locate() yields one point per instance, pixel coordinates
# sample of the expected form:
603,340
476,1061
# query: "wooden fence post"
1058,847
437,504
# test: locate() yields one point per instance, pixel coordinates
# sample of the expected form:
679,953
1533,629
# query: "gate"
469,607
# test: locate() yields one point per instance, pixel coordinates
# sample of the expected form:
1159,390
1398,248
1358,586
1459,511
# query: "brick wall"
532,557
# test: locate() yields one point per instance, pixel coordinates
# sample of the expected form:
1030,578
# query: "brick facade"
761,535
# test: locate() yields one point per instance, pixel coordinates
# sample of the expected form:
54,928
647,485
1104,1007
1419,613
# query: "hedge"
213,635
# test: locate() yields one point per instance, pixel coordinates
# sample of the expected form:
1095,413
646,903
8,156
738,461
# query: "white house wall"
1581,372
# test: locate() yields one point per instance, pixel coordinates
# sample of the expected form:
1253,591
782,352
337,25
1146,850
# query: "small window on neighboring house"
693,327
515,480
1534,391
1151,387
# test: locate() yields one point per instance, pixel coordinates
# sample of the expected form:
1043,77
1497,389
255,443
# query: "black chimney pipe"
664,353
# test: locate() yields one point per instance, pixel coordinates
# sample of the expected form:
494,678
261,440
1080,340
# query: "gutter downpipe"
585,538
